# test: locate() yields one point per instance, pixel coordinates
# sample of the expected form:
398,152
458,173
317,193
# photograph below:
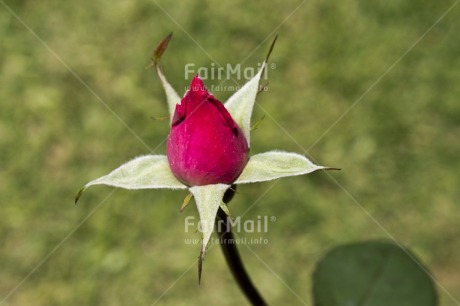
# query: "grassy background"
64,64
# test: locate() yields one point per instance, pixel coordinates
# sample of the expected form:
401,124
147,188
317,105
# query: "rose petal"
205,146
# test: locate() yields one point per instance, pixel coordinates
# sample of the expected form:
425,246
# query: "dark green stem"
232,256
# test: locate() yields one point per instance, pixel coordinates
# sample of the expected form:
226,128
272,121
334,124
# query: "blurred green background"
72,71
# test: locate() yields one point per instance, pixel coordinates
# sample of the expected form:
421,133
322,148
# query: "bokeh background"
359,85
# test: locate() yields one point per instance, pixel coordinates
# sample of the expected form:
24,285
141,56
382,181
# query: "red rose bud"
205,145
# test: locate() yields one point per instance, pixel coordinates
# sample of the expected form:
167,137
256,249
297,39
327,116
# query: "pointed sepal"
79,193
208,200
171,95
276,164
241,103
160,49
143,172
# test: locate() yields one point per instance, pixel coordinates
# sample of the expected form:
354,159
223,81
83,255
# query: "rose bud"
205,145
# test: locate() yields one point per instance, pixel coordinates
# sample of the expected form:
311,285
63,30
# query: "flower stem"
232,256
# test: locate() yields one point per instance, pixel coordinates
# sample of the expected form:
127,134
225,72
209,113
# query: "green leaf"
143,172
241,103
208,200
275,164
372,274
